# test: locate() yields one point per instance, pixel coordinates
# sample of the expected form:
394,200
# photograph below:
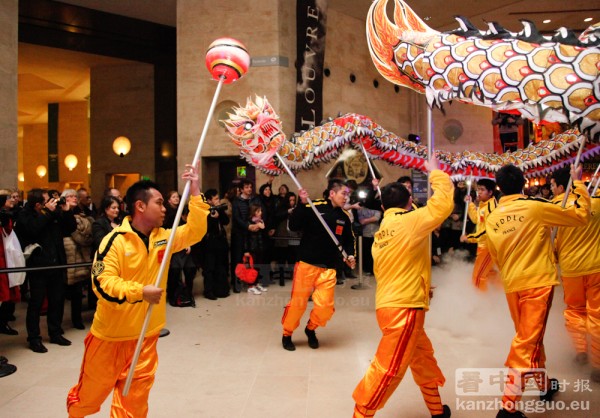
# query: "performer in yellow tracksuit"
518,237
483,268
123,277
403,272
579,260
318,257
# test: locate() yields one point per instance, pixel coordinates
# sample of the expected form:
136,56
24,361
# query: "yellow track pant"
104,368
483,270
309,279
404,344
529,310
582,314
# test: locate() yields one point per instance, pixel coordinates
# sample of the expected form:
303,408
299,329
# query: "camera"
218,207
61,201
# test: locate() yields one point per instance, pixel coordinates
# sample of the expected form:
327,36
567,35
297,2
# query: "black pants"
237,253
50,284
76,294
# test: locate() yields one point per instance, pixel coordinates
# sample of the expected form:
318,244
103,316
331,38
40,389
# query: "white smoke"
480,323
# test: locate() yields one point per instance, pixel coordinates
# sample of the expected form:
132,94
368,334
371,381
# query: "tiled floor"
224,358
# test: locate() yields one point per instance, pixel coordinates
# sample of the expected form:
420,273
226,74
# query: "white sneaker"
254,290
262,288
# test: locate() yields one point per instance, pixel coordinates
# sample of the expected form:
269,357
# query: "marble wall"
8,87
121,104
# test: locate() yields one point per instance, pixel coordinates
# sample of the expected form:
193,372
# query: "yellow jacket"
518,237
402,264
123,266
578,248
477,216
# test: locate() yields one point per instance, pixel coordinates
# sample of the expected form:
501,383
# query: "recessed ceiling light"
546,21
587,19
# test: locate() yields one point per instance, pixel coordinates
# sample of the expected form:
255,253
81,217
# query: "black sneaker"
553,387
312,338
503,413
445,414
287,343
7,329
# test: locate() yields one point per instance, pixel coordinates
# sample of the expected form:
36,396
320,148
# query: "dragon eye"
248,126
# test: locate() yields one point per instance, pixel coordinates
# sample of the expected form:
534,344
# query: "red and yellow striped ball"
227,59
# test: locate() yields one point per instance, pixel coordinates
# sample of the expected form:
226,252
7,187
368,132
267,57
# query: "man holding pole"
484,267
315,271
518,237
579,260
403,273
123,276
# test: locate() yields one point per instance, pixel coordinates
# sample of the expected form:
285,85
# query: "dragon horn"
407,19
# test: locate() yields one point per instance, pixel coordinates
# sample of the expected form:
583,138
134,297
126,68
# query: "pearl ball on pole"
227,60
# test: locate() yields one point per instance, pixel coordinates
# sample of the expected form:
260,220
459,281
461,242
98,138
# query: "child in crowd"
255,245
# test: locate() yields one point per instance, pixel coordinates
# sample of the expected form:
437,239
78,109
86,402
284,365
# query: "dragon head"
257,130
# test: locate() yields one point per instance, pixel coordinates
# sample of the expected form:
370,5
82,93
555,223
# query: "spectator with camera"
41,226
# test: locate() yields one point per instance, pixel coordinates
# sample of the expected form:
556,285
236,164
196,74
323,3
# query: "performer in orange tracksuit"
403,273
123,277
518,237
483,269
579,261
318,258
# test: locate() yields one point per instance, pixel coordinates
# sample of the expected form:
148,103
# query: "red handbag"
245,270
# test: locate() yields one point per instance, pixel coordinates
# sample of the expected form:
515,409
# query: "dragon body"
553,79
257,131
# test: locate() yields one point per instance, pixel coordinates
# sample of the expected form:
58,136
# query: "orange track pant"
310,279
582,314
483,270
529,310
105,367
404,344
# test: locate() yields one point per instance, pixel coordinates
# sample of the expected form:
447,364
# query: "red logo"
161,255
339,229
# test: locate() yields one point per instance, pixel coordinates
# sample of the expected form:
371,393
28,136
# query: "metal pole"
464,228
362,145
359,286
592,179
570,183
299,186
163,264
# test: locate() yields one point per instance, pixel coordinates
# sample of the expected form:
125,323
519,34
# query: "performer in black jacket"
315,271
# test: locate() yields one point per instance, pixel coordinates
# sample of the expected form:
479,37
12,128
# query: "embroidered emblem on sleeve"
98,268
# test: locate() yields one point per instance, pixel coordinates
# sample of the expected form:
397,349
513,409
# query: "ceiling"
48,75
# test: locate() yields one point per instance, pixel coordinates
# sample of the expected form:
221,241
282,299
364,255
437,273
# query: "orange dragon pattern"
543,78
257,131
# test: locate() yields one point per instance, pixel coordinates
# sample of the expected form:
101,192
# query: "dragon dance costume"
318,257
519,241
125,264
403,272
579,260
483,269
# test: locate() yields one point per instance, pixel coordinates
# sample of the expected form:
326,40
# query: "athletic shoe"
553,387
262,288
287,343
445,414
254,291
503,413
312,338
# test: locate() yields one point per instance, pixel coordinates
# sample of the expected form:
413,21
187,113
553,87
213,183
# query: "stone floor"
224,359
